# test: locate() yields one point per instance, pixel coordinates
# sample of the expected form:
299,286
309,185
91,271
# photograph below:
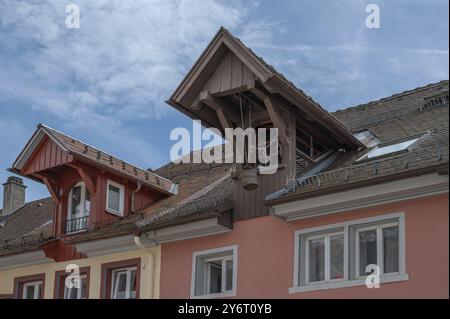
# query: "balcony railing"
76,224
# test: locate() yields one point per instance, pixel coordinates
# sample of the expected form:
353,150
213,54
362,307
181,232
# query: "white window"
324,258
391,147
79,206
214,273
77,293
123,283
337,255
115,198
32,290
378,245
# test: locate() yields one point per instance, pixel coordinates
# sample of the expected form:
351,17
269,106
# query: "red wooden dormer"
88,186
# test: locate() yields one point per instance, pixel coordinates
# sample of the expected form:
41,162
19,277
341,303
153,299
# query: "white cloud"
118,67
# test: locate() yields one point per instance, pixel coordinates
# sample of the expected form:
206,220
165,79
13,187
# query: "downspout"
133,195
140,245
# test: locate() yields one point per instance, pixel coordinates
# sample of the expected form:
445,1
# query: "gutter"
440,169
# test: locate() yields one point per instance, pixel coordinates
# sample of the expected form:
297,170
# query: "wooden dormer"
230,85
88,186
228,74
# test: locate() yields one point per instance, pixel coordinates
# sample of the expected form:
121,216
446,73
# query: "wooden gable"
231,75
46,156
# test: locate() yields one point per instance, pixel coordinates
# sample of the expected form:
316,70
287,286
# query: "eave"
32,258
361,196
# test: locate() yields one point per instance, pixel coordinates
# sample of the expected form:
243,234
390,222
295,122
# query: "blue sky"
106,82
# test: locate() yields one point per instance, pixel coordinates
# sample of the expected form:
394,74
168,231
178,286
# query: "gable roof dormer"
227,67
53,149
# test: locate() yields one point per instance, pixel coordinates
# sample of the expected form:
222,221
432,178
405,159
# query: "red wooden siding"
46,156
59,251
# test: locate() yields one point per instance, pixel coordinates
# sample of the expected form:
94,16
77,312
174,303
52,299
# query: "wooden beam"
51,189
196,104
274,115
85,177
206,98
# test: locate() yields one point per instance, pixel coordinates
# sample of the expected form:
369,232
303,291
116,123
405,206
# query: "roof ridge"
96,148
393,96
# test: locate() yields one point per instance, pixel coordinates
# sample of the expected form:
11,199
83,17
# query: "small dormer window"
115,198
391,148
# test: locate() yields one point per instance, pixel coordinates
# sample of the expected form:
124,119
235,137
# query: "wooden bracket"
52,189
85,177
274,115
214,103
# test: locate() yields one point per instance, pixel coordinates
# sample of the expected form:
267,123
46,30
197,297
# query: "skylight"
390,148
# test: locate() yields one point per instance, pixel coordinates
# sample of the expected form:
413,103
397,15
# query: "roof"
398,117
27,226
267,74
94,156
204,190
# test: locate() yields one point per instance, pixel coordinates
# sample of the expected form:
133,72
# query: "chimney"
13,195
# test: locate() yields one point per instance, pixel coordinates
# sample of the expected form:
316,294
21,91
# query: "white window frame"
351,258
380,251
121,188
127,271
204,253
416,139
82,199
326,237
79,291
82,202
36,285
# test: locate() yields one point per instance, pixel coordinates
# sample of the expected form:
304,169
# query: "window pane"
133,284
337,257
71,293
28,292
317,260
367,250
114,198
390,148
215,276
390,249
119,284
75,293
76,202
87,203
229,264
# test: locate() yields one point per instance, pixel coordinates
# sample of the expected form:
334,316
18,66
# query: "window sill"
348,283
113,212
213,296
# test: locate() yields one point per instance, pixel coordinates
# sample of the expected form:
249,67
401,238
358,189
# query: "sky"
105,83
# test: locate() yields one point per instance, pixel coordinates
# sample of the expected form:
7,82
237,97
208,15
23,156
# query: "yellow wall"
149,288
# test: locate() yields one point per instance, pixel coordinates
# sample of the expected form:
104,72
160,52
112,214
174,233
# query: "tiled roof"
109,162
206,189
410,118
27,226
203,190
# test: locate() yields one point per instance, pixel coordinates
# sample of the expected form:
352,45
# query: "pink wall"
266,247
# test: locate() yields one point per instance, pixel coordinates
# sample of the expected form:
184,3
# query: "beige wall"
149,288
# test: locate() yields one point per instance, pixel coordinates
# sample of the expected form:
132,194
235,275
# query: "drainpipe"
133,195
140,245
